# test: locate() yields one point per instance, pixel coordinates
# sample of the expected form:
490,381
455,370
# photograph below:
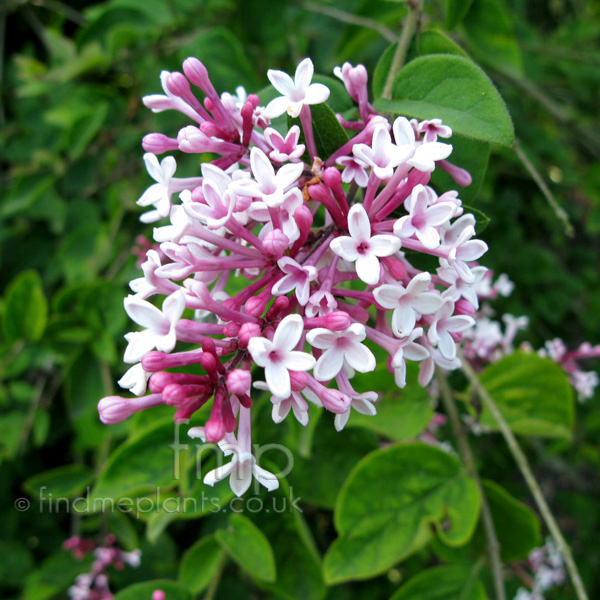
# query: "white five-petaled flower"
341,346
297,277
445,323
407,302
382,155
297,92
282,406
267,184
135,380
458,287
286,148
278,356
160,325
425,153
423,220
363,249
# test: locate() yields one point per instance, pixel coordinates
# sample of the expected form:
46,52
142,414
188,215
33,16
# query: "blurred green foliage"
71,118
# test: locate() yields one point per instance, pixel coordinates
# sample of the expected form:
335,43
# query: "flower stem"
527,473
466,453
408,30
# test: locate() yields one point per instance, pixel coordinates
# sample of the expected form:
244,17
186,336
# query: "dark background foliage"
71,124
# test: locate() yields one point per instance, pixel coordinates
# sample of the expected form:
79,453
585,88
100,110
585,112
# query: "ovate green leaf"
25,309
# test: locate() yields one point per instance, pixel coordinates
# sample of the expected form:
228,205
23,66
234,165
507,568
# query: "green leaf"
63,482
143,463
401,413
443,583
55,575
532,393
25,308
488,29
172,590
329,134
456,11
482,220
200,563
121,526
523,535
386,508
453,89
248,547
429,42
468,154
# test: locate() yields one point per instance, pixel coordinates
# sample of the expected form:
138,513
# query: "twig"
527,473
539,180
214,584
408,30
340,15
466,453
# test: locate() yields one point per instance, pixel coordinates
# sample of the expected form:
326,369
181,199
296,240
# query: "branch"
408,30
527,473
466,453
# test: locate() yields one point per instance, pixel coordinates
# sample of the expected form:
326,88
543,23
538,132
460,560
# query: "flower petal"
330,363
278,379
288,333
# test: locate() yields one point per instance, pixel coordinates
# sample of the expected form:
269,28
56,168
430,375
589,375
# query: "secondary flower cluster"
299,264
94,585
548,571
487,342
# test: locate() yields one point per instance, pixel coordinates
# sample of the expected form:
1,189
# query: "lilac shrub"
299,264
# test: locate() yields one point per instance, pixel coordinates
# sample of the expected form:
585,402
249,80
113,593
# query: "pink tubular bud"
158,595
334,321
464,307
254,100
162,379
304,220
211,130
334,400
247,113
214,430
460,176
276,243
257,305
196,72
175,393
247,332
239,382
157,361
209,347
114,409
245,400
157,143
229,419
333,179
209,364
280,304
298,380
395,267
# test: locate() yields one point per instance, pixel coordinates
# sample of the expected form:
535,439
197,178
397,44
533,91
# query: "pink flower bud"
231,329
334,400
464,307
247,332
239,381
157,361
114,409
334,321
157,143
178,85
298,380
276,243
460,176
196,72
395,267
158,595
162,379
209,364
256,306
304,220
280,305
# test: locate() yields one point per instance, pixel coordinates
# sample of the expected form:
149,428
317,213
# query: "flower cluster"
548,571
488,341
94,585
299,264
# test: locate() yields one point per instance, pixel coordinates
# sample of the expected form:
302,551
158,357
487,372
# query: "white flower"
407,349
297,277
296,93
444,324
278,357
282,406
363,249
423,220
382,155
243,465
268,185
135,380
361,403
408,302
425,153
341,346
160,326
